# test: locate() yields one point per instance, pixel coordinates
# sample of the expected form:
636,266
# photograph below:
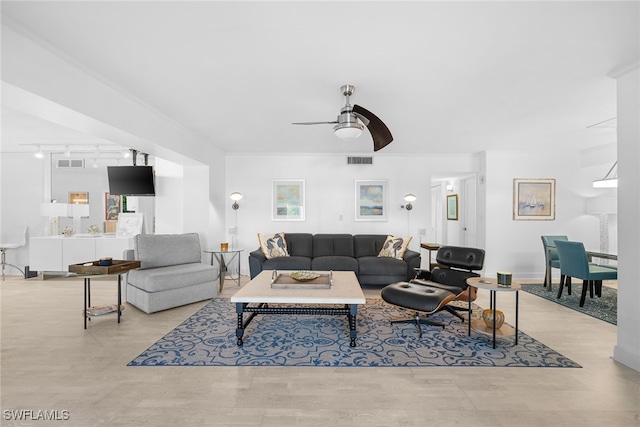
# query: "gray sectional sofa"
171,272
340,252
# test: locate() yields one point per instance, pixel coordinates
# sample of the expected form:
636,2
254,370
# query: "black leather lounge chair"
431,291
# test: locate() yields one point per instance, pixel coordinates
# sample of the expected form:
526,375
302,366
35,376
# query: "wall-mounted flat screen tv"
131,180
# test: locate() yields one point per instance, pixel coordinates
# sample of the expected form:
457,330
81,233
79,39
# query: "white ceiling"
451,77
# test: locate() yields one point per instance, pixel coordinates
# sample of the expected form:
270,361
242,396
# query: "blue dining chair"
551,258
574,263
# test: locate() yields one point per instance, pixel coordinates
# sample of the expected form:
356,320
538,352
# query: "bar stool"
12,242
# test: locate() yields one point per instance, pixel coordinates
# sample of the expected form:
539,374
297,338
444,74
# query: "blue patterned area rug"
604,308
208,338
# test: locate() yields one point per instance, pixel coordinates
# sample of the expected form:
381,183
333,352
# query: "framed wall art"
129,224
534,199
288,200
452,207
78,198
371,200
111,206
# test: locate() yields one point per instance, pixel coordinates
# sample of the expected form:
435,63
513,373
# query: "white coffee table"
255,297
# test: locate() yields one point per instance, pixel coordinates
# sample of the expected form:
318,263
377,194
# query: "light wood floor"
49,362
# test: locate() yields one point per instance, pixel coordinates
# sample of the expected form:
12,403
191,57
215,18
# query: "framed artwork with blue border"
288,200
371,200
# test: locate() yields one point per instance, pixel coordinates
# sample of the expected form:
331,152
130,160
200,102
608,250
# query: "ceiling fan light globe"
348,132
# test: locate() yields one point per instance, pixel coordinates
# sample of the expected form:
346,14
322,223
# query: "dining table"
590,256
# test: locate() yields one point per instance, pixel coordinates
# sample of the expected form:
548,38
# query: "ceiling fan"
348,127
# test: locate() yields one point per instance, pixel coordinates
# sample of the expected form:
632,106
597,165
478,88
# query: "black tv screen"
131,180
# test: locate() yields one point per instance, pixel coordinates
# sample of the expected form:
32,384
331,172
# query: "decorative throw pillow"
394,247
273,245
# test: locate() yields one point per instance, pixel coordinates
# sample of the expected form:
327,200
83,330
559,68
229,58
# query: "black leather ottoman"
418,297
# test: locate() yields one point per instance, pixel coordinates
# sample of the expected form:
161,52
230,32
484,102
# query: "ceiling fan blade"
315,123
379,131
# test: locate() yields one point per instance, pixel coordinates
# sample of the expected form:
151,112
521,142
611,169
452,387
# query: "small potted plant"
68,231
94,230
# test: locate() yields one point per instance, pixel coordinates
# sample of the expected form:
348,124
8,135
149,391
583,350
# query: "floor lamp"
236,197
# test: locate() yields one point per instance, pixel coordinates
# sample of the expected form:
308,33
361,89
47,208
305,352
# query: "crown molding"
625,69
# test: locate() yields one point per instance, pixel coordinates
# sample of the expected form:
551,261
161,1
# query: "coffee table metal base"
350,310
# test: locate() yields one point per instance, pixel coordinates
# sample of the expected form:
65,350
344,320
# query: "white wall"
516,245
627,349
330,193
511,245
183,201
38,82
21,193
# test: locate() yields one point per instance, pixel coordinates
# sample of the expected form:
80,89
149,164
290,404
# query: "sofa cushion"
368,244
394,247
300,244
273,245
382,266
161,250
287,263
332,244
173,277
337,263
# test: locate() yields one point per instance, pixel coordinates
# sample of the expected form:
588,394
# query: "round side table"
492,286
223,264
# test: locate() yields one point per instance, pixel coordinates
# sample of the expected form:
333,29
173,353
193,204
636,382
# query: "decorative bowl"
487,316
68,231
304,275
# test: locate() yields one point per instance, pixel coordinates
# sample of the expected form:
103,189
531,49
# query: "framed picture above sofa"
288,200
371,200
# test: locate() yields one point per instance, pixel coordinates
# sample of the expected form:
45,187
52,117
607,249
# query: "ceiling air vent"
359,160
71,163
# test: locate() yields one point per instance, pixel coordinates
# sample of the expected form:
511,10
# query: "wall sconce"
409,198
610,180
39,154
235,196
449,188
